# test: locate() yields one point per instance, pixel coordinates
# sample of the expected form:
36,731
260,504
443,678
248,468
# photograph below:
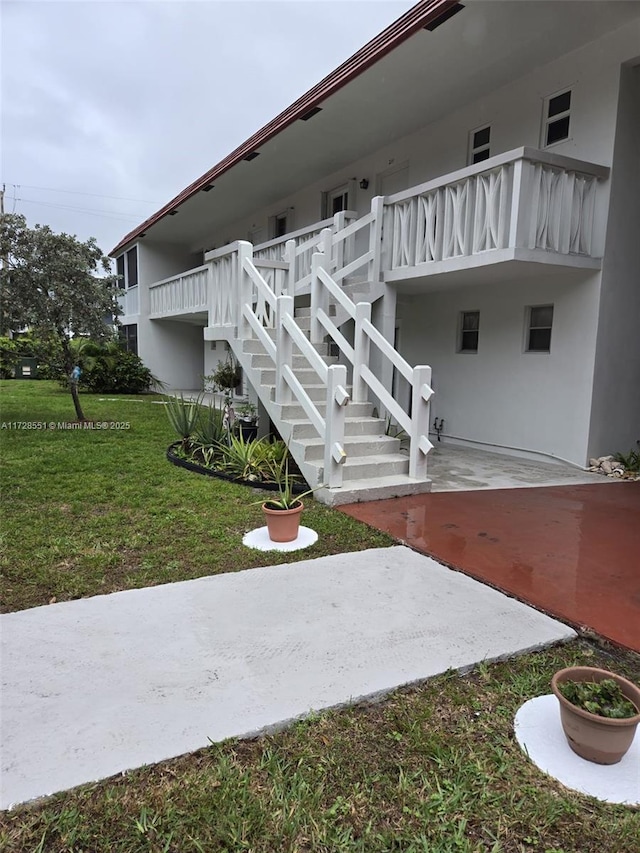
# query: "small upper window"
539,328
120,271
469,331
479,145
132,267
556,118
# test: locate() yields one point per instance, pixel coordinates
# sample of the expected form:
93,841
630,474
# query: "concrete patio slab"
453,468
101,685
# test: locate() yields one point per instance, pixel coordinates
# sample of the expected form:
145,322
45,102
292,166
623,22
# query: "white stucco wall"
538,402
615,423
172,350
502,395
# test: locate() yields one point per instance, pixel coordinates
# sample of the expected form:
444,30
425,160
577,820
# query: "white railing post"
566,212
338,225
319,295
524,206
211,294
284,348
421,394
337,399
244,289
375,238
361,349
325,244
290,275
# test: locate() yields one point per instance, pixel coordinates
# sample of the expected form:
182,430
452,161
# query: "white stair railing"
259,309
223,265
324,287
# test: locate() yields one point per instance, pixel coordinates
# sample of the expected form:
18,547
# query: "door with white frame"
393,180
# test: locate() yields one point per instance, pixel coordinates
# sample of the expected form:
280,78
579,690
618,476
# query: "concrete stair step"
352,426
375,489
252,345
368,467
259,361
305,311
295,412
356,446
317,393
304,374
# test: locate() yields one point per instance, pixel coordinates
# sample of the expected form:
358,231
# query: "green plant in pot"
226,376
247,420
282,513
599,711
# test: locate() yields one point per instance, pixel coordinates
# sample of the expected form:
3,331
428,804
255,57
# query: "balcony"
524,206
504,216
180,295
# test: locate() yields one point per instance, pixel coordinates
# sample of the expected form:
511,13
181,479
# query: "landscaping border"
298,488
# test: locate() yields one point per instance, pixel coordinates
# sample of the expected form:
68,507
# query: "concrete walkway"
101,685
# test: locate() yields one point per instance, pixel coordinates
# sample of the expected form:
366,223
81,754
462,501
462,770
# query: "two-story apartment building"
471,177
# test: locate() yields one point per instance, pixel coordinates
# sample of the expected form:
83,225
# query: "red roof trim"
399,31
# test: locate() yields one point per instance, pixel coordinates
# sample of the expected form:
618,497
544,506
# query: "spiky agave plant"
183,416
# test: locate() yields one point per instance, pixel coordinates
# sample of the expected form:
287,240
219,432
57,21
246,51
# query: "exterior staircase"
375,467
284,308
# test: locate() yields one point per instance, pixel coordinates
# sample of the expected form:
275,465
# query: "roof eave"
399,31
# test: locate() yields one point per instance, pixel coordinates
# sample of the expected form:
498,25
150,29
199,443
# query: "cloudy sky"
110,108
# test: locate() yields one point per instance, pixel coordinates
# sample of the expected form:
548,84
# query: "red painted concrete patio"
572,551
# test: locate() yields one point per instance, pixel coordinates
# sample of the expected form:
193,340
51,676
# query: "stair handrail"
249,277
330,428
222,289
416,425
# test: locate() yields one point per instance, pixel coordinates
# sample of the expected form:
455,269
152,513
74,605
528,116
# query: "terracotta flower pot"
599,739
283,524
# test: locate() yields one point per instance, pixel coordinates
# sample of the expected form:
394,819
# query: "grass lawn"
432,769
87,512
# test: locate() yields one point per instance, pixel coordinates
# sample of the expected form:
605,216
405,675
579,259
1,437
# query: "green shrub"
9,356
118,372
630,460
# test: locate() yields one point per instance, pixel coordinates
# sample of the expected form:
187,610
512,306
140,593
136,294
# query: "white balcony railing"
186,293
128,300
524,199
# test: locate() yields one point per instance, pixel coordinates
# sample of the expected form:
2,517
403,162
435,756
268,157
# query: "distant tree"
51,284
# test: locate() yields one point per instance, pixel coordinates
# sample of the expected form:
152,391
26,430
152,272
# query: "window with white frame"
539,325
556,118
468,331
479,145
